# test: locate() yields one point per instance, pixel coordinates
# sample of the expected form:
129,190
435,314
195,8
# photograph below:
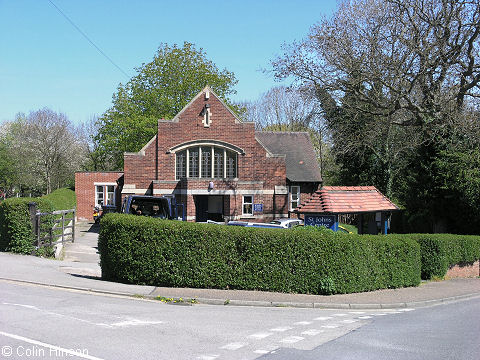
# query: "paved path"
84,249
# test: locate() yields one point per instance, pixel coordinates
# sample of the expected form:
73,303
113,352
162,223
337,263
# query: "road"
47,323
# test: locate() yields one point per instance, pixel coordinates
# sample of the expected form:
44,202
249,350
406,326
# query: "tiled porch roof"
347,199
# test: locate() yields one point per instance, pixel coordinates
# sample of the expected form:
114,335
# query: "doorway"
208,207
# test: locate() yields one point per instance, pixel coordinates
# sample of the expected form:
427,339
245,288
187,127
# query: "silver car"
287,223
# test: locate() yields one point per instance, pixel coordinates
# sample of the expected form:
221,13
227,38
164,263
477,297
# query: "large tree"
46,149
161,89
412,60
288,109
395,79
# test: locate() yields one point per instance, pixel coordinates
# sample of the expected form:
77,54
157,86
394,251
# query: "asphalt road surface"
47,323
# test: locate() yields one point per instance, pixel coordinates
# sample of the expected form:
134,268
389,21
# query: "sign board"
328,221
281,190
258,207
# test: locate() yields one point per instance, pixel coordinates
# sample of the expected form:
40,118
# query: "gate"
52,228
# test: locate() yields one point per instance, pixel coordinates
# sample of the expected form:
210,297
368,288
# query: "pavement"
80,270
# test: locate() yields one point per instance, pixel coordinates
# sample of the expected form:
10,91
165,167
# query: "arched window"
206,162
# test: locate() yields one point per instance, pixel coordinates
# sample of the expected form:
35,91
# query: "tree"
46,150
414,61
395,78
96,160
161,89
288,109
8,172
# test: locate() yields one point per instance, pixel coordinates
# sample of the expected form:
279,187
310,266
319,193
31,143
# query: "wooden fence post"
73,228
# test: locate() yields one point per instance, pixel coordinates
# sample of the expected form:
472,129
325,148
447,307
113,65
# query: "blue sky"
45,61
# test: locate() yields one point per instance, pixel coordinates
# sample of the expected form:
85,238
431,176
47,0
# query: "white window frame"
290,196
105,193
247,203
222,150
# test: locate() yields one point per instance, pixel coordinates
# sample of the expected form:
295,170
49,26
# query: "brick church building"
217,165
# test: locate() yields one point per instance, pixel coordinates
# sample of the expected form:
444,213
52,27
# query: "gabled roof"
202,93
301,160
347,199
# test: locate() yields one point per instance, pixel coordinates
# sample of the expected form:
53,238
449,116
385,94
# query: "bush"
62,199
441,251
156,252
16,231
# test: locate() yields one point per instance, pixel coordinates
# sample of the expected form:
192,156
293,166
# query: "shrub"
171,253
16,231
62,199
440,251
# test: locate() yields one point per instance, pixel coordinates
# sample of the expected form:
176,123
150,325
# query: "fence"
52,228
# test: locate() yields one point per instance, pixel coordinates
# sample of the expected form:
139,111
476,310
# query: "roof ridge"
282,132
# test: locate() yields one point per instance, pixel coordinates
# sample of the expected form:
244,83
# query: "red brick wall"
154,167
464,271
85,190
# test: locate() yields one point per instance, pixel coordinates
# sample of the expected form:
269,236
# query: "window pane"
231,165
294,197
206,162
247,205
99,194
218,163
181,164
193,163
110,195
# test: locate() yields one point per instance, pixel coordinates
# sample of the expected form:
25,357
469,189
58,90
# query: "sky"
46,62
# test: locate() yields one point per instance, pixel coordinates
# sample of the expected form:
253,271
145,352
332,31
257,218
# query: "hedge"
16,232
441,251
62,199
157,252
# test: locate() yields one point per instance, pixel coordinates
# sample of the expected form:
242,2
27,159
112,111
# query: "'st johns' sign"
329,221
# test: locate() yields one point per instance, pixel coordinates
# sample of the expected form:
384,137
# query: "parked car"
253,224
163,207
287,223
99,211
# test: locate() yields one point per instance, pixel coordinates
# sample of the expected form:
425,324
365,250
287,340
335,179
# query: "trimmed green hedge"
144,250
16,234
441,251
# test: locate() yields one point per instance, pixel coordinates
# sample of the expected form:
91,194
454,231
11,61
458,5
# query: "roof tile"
347,199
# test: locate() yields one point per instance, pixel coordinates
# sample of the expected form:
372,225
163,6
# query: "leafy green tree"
398,75
161,89
8,173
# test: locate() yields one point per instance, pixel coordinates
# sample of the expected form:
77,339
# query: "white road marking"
260,335
380,314
262,352
233,346
302,323
21,305
57,314
312,332
292,339
207,357
49,346
364,317
340,315
349,321
329,326
266,350
135,322
281,328
322,318
405,310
